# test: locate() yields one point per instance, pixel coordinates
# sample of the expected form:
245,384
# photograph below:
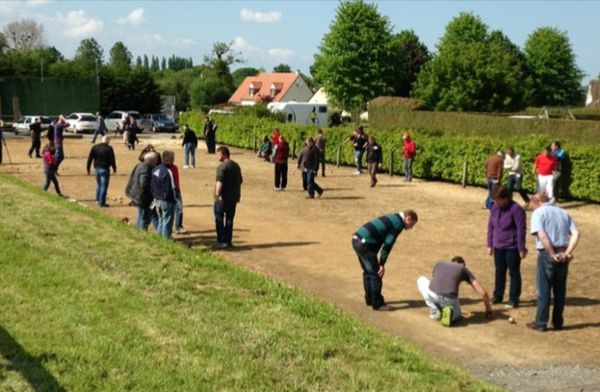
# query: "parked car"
23,125
158,122
81,122
115,120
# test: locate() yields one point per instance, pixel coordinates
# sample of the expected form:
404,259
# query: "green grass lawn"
89,303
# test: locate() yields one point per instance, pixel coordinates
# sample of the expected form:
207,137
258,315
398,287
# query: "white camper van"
301,112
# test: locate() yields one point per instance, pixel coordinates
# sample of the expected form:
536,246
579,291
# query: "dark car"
158,122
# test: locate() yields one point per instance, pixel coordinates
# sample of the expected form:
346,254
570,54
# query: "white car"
115,120
23,125
81,122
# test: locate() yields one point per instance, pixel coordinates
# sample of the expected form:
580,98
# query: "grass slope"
89,303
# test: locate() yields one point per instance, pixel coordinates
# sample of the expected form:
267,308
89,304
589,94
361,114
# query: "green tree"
155,66
209,90
177,83
354,61
410,56
88,57
146,63
163,64
284,68
138,62
551,62
474,70
240,74
3,43
120,57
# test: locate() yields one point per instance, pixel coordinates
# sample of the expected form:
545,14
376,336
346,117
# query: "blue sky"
271,32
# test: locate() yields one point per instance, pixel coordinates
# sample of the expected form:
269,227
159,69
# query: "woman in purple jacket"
506,241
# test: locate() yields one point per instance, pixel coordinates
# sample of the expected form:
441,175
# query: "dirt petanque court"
306,243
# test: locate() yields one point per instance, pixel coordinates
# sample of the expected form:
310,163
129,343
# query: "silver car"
23,125
81,122
116,119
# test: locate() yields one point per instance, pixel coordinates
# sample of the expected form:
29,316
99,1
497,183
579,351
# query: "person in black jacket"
308,162
210,129
374,159
190,143
139,191
103,157
35,129
164,193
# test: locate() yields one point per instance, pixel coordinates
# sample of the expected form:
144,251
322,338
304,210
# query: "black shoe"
496,301
104,205
536,327
558,327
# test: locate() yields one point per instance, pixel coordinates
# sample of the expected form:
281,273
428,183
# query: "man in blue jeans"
165,196
102,156
556,239
228,188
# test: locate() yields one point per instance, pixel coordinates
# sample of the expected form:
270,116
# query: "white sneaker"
186,167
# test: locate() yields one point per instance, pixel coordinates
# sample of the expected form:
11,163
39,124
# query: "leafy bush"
440,155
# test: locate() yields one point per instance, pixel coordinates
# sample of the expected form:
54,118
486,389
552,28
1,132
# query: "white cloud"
135,18
240,43
158,39
35,3
260,17
281,54
78,24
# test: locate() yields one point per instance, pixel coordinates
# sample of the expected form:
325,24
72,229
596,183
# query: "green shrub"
440,155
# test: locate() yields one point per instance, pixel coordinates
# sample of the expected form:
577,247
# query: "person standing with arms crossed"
228,190
103,157
375,235
556,237
210,130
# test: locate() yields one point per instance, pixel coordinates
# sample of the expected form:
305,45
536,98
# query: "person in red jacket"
282,153
544,166
409,150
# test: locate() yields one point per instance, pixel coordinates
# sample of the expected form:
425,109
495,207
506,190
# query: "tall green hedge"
440,155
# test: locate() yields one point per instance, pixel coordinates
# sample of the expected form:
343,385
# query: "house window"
251,92
273,91
322,109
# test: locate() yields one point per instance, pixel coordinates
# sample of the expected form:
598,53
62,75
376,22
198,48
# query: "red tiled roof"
262,87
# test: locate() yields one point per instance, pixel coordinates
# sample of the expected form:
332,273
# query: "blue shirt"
553,221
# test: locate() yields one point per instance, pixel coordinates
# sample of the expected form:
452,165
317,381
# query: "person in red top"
409,150
282,153
544,166
275,141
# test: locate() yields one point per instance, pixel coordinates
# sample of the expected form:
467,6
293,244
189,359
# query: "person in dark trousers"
374,159
228,189
514,165
100,127
102,156
320,142
35,130
139,189
132,130
282,154
308,161
210,129
375,235
50,132
493,174
50,168
2,141
189,143
506,242
556,237
59,128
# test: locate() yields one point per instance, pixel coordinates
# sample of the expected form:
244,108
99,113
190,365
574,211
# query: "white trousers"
436,302
546,185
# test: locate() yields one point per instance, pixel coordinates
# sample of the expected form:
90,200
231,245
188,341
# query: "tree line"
359,58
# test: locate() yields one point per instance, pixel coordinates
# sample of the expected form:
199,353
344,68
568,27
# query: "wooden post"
294,149
339,155
464,174
391,163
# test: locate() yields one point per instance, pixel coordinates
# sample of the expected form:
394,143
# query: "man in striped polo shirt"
369,239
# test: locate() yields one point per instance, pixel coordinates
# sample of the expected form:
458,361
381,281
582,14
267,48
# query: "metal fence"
49,96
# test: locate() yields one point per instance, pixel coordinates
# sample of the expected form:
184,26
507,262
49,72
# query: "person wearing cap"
378,236
556,237
409,151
